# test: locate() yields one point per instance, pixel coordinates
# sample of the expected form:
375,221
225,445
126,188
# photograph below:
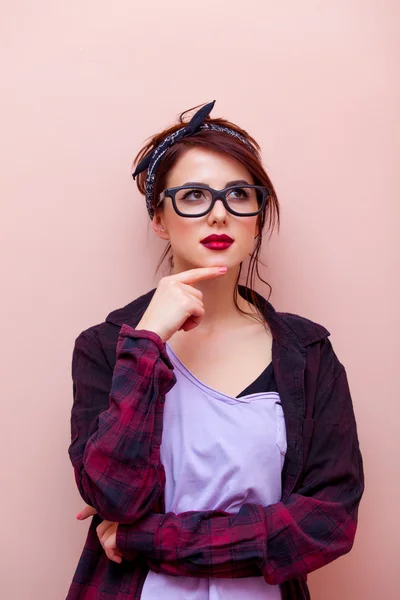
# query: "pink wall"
84,82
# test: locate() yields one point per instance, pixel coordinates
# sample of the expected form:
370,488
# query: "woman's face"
216,170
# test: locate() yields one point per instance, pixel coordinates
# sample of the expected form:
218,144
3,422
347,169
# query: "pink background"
83,84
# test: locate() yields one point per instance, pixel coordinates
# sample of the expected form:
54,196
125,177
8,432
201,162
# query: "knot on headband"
152,160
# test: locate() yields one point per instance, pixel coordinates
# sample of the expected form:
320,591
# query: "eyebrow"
228,184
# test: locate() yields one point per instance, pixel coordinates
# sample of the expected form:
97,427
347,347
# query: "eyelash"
191,192
240,189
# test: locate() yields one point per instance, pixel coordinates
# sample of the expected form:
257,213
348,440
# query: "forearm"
201,544
280,542
119,471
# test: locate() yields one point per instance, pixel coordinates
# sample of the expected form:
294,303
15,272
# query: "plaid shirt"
120,379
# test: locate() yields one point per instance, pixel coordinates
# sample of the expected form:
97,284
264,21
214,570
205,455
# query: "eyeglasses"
242,201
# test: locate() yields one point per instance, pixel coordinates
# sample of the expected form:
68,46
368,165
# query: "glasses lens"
244,199
193,201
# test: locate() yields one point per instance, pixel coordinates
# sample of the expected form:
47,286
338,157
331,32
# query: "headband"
152,160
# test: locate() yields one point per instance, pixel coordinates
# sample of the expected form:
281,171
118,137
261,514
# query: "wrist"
142,325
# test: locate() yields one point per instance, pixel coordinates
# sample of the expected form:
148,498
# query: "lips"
217,238
217,242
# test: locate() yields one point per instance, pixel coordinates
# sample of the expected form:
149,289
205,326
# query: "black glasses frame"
215,195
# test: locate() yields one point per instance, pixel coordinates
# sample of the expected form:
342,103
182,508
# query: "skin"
194,305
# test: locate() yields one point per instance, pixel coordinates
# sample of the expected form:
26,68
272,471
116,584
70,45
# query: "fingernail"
223,269
78,516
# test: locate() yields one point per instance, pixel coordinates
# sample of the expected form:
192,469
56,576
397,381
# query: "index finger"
193,275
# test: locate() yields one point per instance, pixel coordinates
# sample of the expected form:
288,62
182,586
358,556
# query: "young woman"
213,438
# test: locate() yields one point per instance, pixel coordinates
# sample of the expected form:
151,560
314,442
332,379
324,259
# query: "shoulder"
289,328
129,314
102,338
305,330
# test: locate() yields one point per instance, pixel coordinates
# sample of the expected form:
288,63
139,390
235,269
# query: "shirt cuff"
139,537
130,332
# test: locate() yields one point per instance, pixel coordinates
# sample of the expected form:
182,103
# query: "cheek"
248,231
180,230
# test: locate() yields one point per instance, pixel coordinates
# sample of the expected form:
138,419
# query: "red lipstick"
217,242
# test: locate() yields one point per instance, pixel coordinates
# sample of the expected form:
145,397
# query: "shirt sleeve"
116,423
315,525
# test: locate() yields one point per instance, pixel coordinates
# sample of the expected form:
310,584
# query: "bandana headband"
152,160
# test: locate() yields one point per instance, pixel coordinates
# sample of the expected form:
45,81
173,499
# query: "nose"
218,213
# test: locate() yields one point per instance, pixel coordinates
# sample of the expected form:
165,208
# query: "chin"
219,259
210,258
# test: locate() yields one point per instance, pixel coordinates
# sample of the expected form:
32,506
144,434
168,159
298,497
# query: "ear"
159,227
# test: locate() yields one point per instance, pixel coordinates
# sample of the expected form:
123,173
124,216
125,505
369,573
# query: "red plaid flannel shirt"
120,379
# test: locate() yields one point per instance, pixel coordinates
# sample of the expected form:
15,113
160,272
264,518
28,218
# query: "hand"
176,304
107,534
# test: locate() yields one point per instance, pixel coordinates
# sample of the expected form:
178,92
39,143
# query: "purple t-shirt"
219,452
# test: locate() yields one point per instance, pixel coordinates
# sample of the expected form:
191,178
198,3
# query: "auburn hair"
220,142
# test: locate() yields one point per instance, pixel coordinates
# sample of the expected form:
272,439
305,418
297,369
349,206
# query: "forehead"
207,166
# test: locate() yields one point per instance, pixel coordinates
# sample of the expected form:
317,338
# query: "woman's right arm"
116,423
117,417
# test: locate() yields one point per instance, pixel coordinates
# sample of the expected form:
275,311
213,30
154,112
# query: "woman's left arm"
314,526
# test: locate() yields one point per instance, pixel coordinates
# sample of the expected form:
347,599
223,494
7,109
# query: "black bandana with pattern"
152,160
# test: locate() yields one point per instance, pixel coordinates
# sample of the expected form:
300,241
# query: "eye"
239,194
194,194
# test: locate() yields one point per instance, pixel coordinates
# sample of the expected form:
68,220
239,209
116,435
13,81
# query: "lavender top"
218,452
